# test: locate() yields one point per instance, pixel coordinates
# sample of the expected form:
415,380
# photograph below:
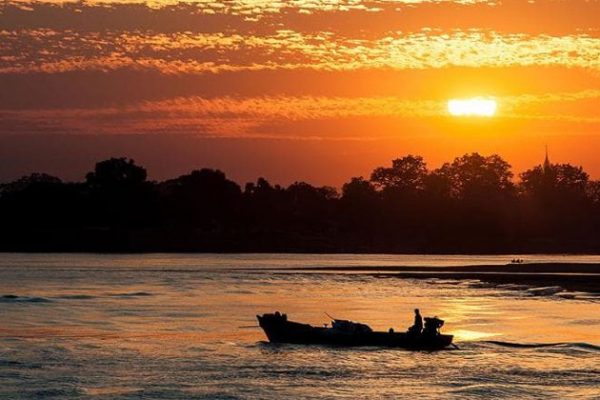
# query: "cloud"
253,7
509,16
49,51
244,117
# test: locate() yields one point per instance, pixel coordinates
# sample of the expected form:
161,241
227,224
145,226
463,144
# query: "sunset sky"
313,90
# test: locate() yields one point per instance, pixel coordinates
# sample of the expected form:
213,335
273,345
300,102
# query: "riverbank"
568,276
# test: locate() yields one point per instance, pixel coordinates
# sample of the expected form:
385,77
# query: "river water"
183,327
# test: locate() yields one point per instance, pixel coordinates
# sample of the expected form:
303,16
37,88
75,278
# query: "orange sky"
310,90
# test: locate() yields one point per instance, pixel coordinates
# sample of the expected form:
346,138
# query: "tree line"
473,204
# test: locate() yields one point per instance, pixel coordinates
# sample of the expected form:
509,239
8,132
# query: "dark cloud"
88,89
551,16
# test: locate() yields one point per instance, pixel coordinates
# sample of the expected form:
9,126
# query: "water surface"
183,327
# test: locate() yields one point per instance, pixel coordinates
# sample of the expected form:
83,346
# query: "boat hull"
283,331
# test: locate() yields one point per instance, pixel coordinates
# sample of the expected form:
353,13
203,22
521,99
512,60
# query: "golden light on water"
469,335
475,107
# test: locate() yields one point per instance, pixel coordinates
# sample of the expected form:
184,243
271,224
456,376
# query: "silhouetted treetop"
116,172
359,190
407,173
25,182
204,198
262,187
593,192
468,205
304,192
205,180
548,181
477,175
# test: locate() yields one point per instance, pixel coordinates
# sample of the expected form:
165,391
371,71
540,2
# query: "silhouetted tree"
310,205
468,205
476,176
406,174
203,199
265,207
593,192
39,212
33,200
485,194
556,200
556,180
359,192
360,209
119,195
402,189
26,182
116,172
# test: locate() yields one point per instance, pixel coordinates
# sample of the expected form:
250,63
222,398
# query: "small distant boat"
346,333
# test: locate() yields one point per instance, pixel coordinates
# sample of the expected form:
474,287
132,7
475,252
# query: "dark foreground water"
182,327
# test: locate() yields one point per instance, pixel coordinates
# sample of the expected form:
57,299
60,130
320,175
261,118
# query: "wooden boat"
346,333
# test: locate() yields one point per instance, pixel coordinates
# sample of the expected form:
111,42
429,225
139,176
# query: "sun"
475,107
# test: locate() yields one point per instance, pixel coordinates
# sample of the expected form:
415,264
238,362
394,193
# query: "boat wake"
575,346
581,346
133,294
11,298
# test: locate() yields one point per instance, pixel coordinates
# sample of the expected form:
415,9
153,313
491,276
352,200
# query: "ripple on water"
77,297
133,294
565,347
11,298
493,391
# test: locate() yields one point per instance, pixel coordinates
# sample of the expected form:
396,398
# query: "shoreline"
568,276
570,283
552,267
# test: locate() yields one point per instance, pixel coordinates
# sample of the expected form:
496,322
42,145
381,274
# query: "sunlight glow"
469,335
477,106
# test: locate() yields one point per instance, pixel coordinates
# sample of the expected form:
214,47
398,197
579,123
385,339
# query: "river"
182,326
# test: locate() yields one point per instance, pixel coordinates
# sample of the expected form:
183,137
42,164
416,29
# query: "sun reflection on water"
469,335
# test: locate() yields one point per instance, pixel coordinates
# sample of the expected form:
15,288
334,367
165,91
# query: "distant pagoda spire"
547,164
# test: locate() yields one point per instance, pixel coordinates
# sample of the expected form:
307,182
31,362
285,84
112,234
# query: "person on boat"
281,316
432,326
418,325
